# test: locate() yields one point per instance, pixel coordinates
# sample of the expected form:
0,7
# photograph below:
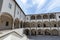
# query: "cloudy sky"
39,6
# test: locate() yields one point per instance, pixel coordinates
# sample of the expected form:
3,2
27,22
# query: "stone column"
42,20
13,25
49,21
56,20
30,25
19,24
36,23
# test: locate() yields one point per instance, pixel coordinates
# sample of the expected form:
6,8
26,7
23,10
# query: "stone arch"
38,17
45,16
33,32
40,32
39,24
53,23
32,17
16,23
33,24
47,32
26,31
54,32
27,24
46,24
6,21
52,16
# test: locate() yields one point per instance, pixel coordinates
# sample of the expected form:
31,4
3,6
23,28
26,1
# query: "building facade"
13,17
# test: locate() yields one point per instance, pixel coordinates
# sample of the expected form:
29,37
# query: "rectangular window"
10,5
18,12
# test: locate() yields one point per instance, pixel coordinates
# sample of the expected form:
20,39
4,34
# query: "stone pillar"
49,21
30,32
44,32
30,25
42,20
19,24
13,25
56,20
36,23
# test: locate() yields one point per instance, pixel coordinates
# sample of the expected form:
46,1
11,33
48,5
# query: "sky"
39,6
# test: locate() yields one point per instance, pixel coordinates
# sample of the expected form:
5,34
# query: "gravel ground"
40,37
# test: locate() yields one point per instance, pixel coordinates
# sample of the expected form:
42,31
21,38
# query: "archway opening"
33,32
33,24
53,23
16,23
55,32
44,25
26,24
26,32
52,16
32,17
21,24
45,16
39,32
6,21
39,24
39,17
47,32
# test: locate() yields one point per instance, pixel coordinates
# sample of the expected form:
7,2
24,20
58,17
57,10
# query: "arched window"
39,32
38,16
39,24
45,16
33,24
53,23
27,24
32,17
52,16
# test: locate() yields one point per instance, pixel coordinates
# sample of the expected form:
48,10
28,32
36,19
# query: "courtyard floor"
40,37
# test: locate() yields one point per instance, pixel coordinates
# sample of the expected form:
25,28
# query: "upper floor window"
17,12
10,5
59,16
52,16
45,16
39,17
32,17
